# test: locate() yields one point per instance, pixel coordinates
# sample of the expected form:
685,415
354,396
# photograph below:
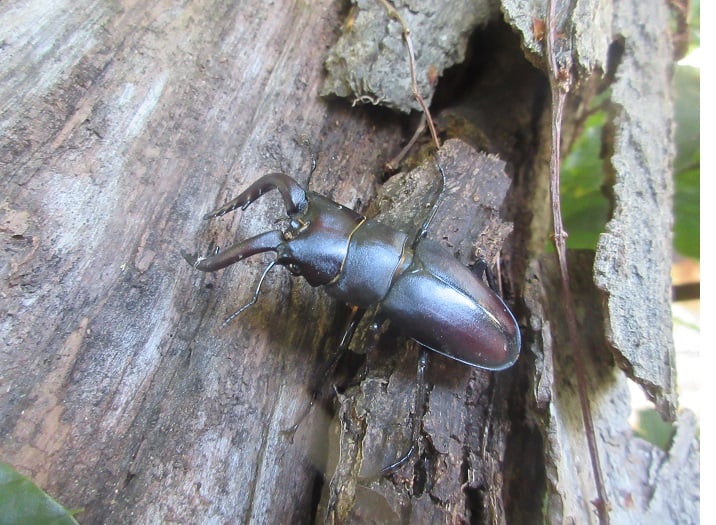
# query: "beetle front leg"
253,299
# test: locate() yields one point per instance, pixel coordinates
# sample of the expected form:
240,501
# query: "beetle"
433,298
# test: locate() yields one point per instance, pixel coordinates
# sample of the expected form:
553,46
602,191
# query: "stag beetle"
419,286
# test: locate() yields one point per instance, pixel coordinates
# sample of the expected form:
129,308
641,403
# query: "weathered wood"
369,64
635,471
634,259
122,125
634,253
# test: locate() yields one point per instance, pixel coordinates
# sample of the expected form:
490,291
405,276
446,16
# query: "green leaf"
687,166
695,23
652,428
23,502
585,209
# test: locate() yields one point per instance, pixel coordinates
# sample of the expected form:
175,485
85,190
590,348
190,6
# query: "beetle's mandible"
420,287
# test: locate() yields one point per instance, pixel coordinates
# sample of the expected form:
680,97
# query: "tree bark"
123,124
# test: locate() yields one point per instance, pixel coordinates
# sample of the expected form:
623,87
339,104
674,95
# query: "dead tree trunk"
122,124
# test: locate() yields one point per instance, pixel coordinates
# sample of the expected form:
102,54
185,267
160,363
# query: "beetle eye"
298,225
294,269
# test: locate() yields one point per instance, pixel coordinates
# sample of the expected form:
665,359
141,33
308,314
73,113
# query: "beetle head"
316,241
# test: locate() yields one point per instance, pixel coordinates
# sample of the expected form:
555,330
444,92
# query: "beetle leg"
265,242
434,208
294,196
253,299
353,319
393,165
416,417
483,270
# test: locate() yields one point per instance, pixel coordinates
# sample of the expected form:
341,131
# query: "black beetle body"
425,291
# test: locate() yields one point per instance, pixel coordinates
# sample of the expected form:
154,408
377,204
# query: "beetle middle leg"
317,393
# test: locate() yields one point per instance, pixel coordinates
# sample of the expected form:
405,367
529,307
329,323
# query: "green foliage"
687,168
584,207
694,24
23,502
652,428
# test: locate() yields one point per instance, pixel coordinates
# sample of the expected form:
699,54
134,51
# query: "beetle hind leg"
482,270
423,232
416,416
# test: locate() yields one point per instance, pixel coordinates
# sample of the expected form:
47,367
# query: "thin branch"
393,13
393,164
560,81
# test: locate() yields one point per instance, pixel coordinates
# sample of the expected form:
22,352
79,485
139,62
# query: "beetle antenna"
253,299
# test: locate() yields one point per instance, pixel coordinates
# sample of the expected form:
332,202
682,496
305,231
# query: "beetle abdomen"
444,306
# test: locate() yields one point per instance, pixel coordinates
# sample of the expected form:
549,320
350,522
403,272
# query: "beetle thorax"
317,240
